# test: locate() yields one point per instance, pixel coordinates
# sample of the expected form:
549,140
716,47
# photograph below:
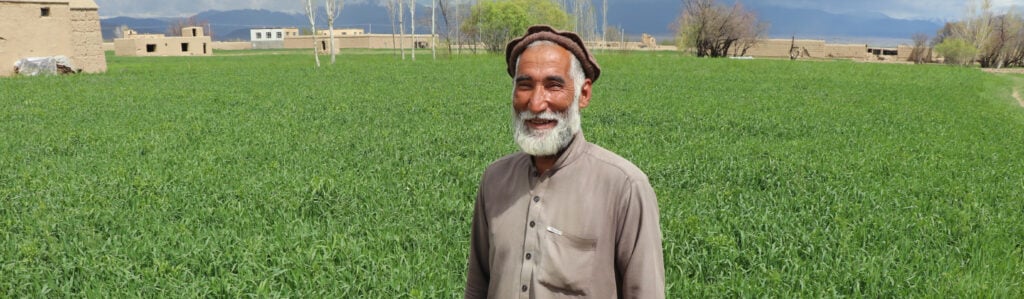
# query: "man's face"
544,101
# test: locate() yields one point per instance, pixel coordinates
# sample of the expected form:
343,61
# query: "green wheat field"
257,175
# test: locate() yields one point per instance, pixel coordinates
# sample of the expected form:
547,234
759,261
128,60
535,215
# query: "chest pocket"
566,265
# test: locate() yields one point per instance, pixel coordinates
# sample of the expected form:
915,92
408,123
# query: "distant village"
71,28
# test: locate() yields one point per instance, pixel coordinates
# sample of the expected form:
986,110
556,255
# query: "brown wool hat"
568,40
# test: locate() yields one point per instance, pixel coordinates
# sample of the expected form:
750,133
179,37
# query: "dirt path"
1018,82
1016,95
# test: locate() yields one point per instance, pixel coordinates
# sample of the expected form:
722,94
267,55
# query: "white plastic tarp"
32,66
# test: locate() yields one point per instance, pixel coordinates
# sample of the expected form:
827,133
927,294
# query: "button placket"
530,242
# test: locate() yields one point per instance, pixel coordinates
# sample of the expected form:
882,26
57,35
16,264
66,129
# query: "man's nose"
538,102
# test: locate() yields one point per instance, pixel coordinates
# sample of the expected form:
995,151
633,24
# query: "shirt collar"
572,153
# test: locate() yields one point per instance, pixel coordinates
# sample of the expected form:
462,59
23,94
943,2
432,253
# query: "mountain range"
654,18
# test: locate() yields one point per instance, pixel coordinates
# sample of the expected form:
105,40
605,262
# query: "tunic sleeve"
639,262
478,270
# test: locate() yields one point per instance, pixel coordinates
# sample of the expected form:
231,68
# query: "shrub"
957,51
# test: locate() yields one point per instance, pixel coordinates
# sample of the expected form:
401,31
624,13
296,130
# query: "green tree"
495,23
545,12
957,51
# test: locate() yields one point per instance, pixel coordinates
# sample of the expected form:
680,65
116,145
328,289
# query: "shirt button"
528,256
532,224
536,199
524,288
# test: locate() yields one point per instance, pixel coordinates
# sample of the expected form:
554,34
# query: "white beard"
547,142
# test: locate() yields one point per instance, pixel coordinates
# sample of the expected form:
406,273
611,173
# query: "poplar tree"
412,26
332,8
401,28
390,5
311,13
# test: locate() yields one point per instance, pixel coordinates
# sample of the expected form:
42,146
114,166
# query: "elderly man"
564,217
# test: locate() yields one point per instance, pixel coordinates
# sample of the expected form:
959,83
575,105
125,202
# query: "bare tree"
613,33
919,54
412,24
433,25
1015,49
119,31
174,29
977,24
401,28
712,29
390,5
447,24
992,40
586,21
311,13
794,51
1002,42
332,8
604,21
458,28
750,36
451,14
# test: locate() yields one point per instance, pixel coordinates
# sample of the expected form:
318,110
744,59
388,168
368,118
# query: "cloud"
178,8
902,9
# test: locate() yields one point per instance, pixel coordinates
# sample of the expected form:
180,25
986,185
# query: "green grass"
256,175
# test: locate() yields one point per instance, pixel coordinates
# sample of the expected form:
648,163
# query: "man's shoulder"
506,164
613,163
508,160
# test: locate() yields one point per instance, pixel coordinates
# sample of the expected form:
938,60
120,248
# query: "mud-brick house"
192,42
42,28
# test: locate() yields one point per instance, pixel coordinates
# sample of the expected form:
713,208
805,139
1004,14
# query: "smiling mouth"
540,123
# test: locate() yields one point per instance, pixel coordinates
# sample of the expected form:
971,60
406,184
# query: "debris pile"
53,65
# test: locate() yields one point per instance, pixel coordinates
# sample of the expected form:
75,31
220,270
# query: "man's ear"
585,93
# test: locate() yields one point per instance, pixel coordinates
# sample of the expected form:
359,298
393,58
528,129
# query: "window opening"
150,48
184,47
44,12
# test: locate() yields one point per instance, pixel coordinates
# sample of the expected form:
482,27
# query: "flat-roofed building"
360,41
804,48
43,28
342,32
270,38
192,42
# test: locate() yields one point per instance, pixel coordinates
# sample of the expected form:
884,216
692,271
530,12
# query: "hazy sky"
904,9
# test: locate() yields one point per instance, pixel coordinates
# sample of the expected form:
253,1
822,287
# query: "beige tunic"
588,228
